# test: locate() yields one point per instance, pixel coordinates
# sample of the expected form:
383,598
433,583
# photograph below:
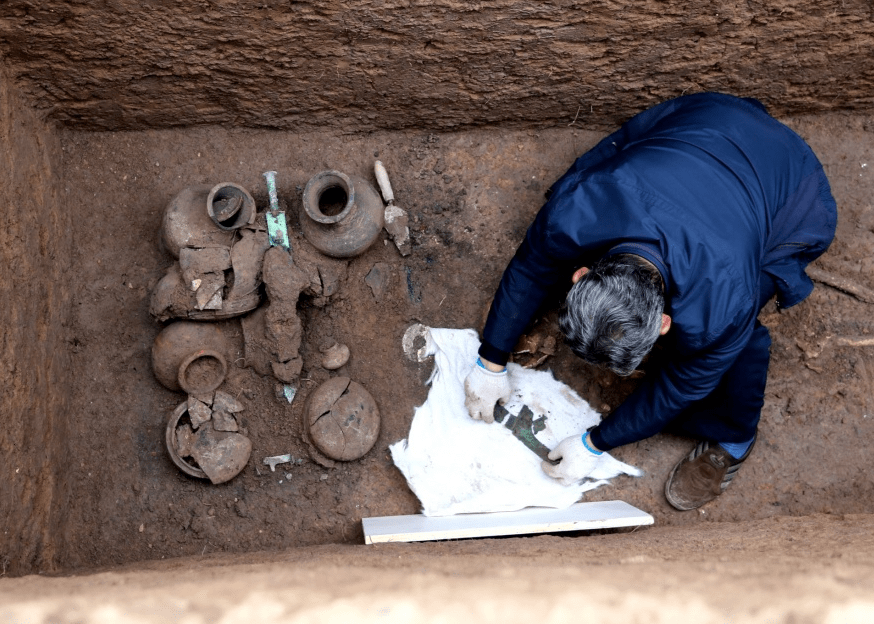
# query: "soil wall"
34,310
439,64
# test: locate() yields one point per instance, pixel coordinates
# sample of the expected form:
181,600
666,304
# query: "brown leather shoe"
702,475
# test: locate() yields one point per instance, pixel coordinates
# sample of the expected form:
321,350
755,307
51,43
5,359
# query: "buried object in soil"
230,206
204,216
191,357
212,283
341,215
334,355
205,450
342,419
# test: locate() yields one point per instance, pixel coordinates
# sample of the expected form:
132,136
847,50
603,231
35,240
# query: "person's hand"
577,461
482,389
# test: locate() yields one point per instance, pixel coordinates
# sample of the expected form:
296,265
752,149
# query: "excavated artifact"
212,283
230,206
193,217
341,215
208,449
191,357
334,355
342,419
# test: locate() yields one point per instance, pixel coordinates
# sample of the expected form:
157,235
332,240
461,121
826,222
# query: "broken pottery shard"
184,440
210,286
198,412
215,303
221,455
287,372
330,278
224,421
378,279
195,262
224,401
247,256
325,274
203,397
397,224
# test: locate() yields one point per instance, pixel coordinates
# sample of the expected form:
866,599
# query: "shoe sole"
726,479
675,503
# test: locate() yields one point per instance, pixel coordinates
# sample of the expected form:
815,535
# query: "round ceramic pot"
341,215
204,216
190,356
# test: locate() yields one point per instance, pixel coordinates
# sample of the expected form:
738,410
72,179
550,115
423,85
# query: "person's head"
613,314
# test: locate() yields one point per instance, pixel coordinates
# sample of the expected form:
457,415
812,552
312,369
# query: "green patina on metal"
524,427
276,226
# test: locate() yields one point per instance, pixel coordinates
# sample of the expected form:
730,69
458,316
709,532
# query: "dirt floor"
778,570
471,197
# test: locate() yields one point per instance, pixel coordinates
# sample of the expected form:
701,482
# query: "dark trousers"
731,413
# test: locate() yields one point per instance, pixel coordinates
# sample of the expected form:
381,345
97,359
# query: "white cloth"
455,464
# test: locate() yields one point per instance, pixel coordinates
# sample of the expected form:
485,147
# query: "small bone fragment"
395,217
858,341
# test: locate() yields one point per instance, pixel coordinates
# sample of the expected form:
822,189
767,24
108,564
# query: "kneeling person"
692,216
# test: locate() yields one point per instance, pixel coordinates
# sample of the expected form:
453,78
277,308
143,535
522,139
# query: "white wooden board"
578,517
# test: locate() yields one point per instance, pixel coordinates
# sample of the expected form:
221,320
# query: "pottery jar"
191,357
341,215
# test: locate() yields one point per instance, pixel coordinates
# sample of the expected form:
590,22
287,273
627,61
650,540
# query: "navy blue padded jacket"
714,192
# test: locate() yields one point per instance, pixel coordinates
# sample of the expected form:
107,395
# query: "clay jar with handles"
191,357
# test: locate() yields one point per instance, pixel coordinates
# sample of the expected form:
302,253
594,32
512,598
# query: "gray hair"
613,315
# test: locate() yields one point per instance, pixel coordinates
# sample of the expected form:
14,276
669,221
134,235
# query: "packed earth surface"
470,196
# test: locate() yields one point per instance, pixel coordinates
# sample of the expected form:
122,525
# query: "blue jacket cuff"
598,440
491,353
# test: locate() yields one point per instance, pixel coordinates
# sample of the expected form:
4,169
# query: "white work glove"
482,389
577,461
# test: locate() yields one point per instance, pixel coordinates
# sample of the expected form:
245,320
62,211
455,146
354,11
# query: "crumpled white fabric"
455,464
